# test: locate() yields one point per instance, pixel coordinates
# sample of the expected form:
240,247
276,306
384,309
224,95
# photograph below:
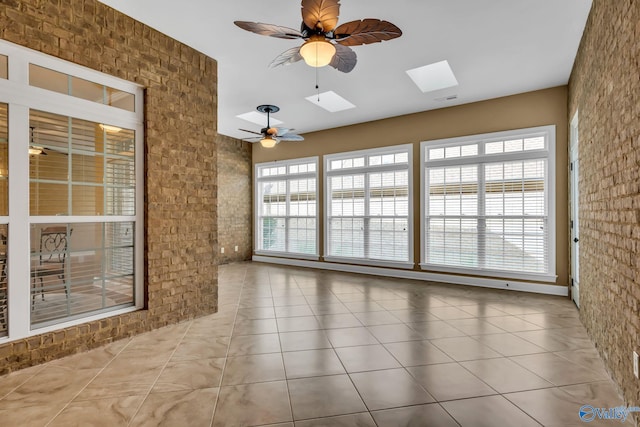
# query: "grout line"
88,382
226,357
146,396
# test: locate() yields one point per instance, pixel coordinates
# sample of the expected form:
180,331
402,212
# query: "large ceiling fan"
325,44
270,136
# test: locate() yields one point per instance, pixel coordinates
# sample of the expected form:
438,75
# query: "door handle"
576,240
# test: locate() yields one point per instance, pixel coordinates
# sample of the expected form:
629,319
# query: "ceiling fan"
270,136
38,150
325,44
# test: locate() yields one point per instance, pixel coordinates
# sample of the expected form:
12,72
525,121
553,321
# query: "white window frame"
21,98
548,154
285,177
328,174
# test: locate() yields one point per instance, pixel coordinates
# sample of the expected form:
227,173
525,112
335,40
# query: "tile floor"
311,348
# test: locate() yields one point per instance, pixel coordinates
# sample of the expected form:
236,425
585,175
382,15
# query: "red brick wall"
180,162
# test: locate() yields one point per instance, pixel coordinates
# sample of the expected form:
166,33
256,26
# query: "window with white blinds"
71,194
368,207
286,208
488,204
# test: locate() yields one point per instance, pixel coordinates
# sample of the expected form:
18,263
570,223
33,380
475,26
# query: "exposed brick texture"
605,90
234,199
180,162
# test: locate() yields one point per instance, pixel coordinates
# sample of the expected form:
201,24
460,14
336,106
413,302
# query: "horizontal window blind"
368,204
487,203
286,207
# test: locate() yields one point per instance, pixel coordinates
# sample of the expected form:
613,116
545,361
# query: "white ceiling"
494,47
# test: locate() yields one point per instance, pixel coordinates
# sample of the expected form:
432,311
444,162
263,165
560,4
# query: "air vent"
447,98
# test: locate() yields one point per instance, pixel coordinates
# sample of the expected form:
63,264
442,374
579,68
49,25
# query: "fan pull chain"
317,86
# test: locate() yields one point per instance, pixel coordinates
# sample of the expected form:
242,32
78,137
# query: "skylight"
330,101
258,118
433,77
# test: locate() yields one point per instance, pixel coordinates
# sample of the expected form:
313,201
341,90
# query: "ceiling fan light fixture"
109,128
317,51
268,141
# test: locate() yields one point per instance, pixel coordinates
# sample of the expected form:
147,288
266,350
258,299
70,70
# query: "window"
286,208
488,204
80,88
72,196
368,207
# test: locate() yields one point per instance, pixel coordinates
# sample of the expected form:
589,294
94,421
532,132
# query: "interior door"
574,170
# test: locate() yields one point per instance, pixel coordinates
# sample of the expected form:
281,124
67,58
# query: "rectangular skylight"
258,118
434,76
330,101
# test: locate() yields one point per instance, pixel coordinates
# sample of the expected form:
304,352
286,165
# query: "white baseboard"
538,288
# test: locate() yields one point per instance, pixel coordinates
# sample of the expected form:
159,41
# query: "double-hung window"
71,194
488,204
286,208
368,207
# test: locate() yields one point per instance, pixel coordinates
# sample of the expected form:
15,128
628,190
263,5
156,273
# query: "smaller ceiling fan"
326,43
270,136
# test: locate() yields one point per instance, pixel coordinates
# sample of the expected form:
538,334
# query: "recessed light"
258,118
330,101
434,76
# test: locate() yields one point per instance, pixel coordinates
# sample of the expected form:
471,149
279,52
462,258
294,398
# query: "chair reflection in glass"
50,267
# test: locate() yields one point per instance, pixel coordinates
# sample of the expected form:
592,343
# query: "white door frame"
574,191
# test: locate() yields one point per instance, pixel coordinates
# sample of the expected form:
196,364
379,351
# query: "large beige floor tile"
51,385
415,353
190,375
504,375
324,397
193,408
253,368
489,411
252,405
450,381
362,419
312,363
431,415
99,412
389,389
366,358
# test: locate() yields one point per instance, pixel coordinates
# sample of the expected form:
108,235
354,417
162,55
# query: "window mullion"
287,213
18,248
367,217
482,221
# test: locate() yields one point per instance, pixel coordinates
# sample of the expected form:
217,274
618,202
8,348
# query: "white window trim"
549,153
22,97
287,177
355,170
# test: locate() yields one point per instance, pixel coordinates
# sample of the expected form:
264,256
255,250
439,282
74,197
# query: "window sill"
514,275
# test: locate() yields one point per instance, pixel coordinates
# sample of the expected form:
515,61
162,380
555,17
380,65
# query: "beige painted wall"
543,107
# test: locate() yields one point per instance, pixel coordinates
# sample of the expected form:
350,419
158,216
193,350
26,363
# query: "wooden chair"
51,267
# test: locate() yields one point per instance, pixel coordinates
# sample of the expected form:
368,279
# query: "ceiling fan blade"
344,60
287,57
269,30
290,137
282,131
320,15
250,131
366,31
